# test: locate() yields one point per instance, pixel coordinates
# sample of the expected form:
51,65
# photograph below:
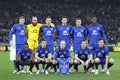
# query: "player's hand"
105,70
10,43
86,63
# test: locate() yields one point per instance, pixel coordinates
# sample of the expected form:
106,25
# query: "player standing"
95,32
18,30
48,34
102,57
78,33
64,32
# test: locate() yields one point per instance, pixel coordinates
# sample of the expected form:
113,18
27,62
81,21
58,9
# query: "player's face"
43,44
101,43
34,20
64,20
48,21
84,44
26,47
21,21
94,20
78,22
62,44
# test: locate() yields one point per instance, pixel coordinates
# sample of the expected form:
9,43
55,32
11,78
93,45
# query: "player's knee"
47,61
92,61
111,61
97,60
54,62
75,61
71,61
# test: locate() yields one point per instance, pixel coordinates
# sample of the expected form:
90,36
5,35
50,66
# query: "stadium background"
107,11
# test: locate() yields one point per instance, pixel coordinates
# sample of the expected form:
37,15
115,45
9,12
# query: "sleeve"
85,33
72,33
38,49
103,35
68,54
31,52
12,31
107,51
19,52
76,52
55,55
57,31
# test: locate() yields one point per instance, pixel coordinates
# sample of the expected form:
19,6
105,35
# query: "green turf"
6,68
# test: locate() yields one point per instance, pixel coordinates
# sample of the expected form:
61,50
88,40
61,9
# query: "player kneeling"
81,57
43,56
24,57
61,54
102,57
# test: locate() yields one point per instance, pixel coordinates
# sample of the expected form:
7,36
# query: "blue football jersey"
48,34
19,31
62,53
95,32
83,53
25,55
64,32
42,52
101,52
78,34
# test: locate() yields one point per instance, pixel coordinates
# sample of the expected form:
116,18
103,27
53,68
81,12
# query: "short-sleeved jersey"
64,32
19,31
43,52
48,34
95,32
101,52
78,34
83,53
62,53
33,31
25,55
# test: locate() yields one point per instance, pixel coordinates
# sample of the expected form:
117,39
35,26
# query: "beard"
34,24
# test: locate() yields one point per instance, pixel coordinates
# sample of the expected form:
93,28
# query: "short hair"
83,41
100,39
21,17
42,40
26,44
65,17
78,18
48,17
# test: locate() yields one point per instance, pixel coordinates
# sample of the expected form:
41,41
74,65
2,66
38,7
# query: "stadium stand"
108,15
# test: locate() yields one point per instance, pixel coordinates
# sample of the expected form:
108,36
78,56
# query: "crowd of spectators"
107,12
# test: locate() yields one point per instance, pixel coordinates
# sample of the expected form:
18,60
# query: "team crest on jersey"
102,51
22,32
82,56
82,30
48,33
64,52
65,32
79,34
94,32
46,51
86,52
28,54
98,28
100,54
67,28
